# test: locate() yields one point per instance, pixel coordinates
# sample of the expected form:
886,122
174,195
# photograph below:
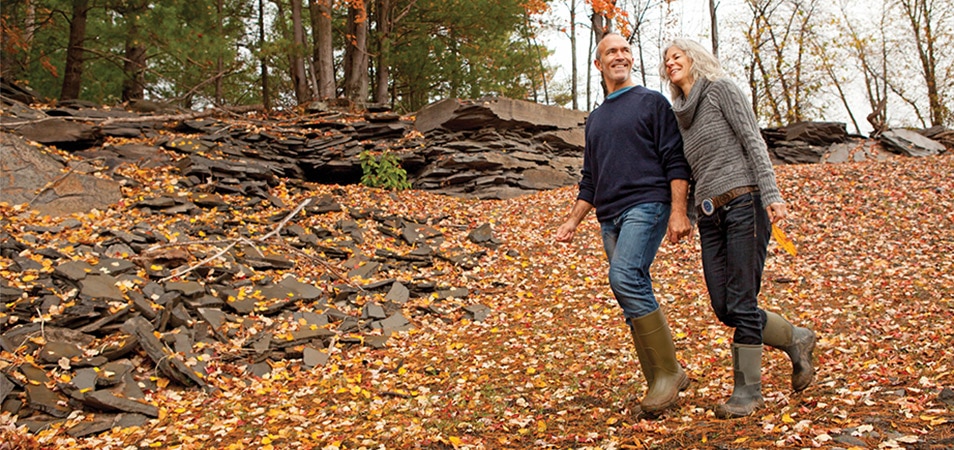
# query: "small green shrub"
383,171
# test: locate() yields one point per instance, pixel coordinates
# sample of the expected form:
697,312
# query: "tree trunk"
919,15
601,27
219,63
134,64
73,68
382,72
574,91
266,94
296,58
356,55
324,50
715,27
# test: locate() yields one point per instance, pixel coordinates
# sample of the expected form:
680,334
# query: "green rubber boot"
657,356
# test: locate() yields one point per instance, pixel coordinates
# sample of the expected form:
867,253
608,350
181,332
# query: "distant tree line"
278,53
799,58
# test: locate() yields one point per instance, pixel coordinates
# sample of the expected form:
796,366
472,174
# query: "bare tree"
926,18
785,78
638,26
574,78
714,24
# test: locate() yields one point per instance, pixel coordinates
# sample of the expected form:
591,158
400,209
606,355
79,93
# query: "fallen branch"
231,243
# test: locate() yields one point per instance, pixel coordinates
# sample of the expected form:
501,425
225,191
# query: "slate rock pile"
92,322
492,148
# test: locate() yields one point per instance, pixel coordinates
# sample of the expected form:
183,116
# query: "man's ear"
598,64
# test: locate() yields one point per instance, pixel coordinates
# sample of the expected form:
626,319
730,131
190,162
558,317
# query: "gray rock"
910,143
34,177
100,287
312,357
107,401
398,294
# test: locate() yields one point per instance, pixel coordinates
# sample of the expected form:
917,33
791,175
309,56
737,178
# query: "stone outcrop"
30,175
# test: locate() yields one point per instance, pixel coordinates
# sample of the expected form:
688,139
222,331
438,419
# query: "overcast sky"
683,18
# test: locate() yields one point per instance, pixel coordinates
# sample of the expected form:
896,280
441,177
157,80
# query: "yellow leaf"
740,440
455,441
541,426
783,240
787,418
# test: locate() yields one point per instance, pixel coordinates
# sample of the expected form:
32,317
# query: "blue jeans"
734,244
631,241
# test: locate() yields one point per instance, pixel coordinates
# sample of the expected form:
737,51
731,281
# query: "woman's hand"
777,212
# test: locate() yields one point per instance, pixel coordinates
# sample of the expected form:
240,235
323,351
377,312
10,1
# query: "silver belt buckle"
708,207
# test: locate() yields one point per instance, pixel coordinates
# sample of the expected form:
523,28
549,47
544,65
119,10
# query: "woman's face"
677,67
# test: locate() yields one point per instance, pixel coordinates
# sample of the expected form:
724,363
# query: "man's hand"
566,232
679,226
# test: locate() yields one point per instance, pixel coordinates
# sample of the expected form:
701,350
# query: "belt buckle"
708,207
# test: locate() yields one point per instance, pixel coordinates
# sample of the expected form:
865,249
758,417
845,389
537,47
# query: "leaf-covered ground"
554,367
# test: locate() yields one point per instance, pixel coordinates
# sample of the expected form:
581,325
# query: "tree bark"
266,94
356,55
324,50
715,27
574,77
920,17
134,65
73,68
382,74
296,58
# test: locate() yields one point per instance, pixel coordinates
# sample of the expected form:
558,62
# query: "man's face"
615,60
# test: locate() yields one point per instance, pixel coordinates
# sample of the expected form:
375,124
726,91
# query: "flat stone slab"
107,401
34,177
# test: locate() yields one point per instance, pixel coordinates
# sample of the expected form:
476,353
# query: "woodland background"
549,365
877,62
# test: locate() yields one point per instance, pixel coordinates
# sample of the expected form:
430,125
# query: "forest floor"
553,365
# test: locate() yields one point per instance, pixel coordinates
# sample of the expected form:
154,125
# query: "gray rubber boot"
797,342
653,338
747,393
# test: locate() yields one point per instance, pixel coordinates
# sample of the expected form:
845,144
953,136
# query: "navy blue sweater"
633,151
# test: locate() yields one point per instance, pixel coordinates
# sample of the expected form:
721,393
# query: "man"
636,177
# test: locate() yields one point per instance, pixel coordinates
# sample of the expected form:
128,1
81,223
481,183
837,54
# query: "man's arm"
566,231
679,224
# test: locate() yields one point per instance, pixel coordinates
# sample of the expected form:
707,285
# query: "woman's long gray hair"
704,63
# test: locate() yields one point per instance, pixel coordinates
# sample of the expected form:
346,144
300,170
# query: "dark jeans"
734,244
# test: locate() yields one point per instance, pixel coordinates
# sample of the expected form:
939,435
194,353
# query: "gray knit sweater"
722,141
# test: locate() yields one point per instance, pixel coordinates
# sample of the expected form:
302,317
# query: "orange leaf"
783,240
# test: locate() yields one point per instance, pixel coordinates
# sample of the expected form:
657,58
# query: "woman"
733,180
